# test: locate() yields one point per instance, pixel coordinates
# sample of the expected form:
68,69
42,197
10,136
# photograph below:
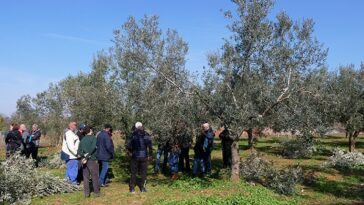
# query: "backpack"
28,141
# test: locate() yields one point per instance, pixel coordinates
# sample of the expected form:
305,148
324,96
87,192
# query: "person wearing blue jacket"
207,146
105,152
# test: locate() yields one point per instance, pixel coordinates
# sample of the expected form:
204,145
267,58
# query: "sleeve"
7,138
205,143
36,135
94,144
80,150
72,142
109,145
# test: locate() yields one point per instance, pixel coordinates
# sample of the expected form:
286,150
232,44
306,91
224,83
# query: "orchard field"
321,185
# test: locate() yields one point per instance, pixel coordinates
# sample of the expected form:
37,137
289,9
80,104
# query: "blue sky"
43,41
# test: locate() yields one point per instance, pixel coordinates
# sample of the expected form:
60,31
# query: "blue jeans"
157,167
160,153
207,160
104,168
173,162
197,161
72,170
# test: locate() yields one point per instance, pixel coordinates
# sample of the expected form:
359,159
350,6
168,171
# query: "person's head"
15,126
34,127
108,127
82,127
23,127
139,126
72,126
87,130
205,126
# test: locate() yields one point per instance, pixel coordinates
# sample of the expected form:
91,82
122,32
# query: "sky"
44,41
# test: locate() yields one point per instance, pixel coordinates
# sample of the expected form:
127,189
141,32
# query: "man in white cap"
138,145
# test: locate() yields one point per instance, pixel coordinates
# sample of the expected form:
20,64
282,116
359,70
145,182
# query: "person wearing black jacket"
80,133
138,146
105,152
7,146
32,143
199,156
226,143
13,140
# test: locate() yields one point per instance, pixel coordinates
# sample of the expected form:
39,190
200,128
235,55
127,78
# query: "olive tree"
261,67
348,98
149,70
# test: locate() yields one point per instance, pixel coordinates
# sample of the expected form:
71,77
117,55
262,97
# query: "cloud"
74,39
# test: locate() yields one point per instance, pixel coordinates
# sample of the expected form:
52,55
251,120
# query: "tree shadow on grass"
339,189
269,150
359,171
318,168
342,144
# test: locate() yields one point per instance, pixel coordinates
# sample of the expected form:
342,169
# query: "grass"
322,185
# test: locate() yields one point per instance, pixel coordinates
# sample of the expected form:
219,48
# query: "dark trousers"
184,160
138,166
226,154
207,162
91,168
34,152
80,172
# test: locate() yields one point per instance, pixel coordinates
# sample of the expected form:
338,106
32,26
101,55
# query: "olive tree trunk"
352,138
235,161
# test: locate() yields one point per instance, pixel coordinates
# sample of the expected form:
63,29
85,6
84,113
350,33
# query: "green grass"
327,185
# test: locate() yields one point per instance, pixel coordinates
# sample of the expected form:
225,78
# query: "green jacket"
88,145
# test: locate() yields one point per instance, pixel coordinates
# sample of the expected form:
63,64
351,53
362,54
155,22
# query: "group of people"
87,155
176,152
19,139
91,153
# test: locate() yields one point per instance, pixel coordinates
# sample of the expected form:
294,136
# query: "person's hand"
150,158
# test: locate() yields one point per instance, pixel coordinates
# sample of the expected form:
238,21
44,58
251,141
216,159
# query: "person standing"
13,140
105,152
226,143
185,140
80,133
173,158
207,146
90,167
198,160
32,143
162,151
138,145
69,152
7,145
25,147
